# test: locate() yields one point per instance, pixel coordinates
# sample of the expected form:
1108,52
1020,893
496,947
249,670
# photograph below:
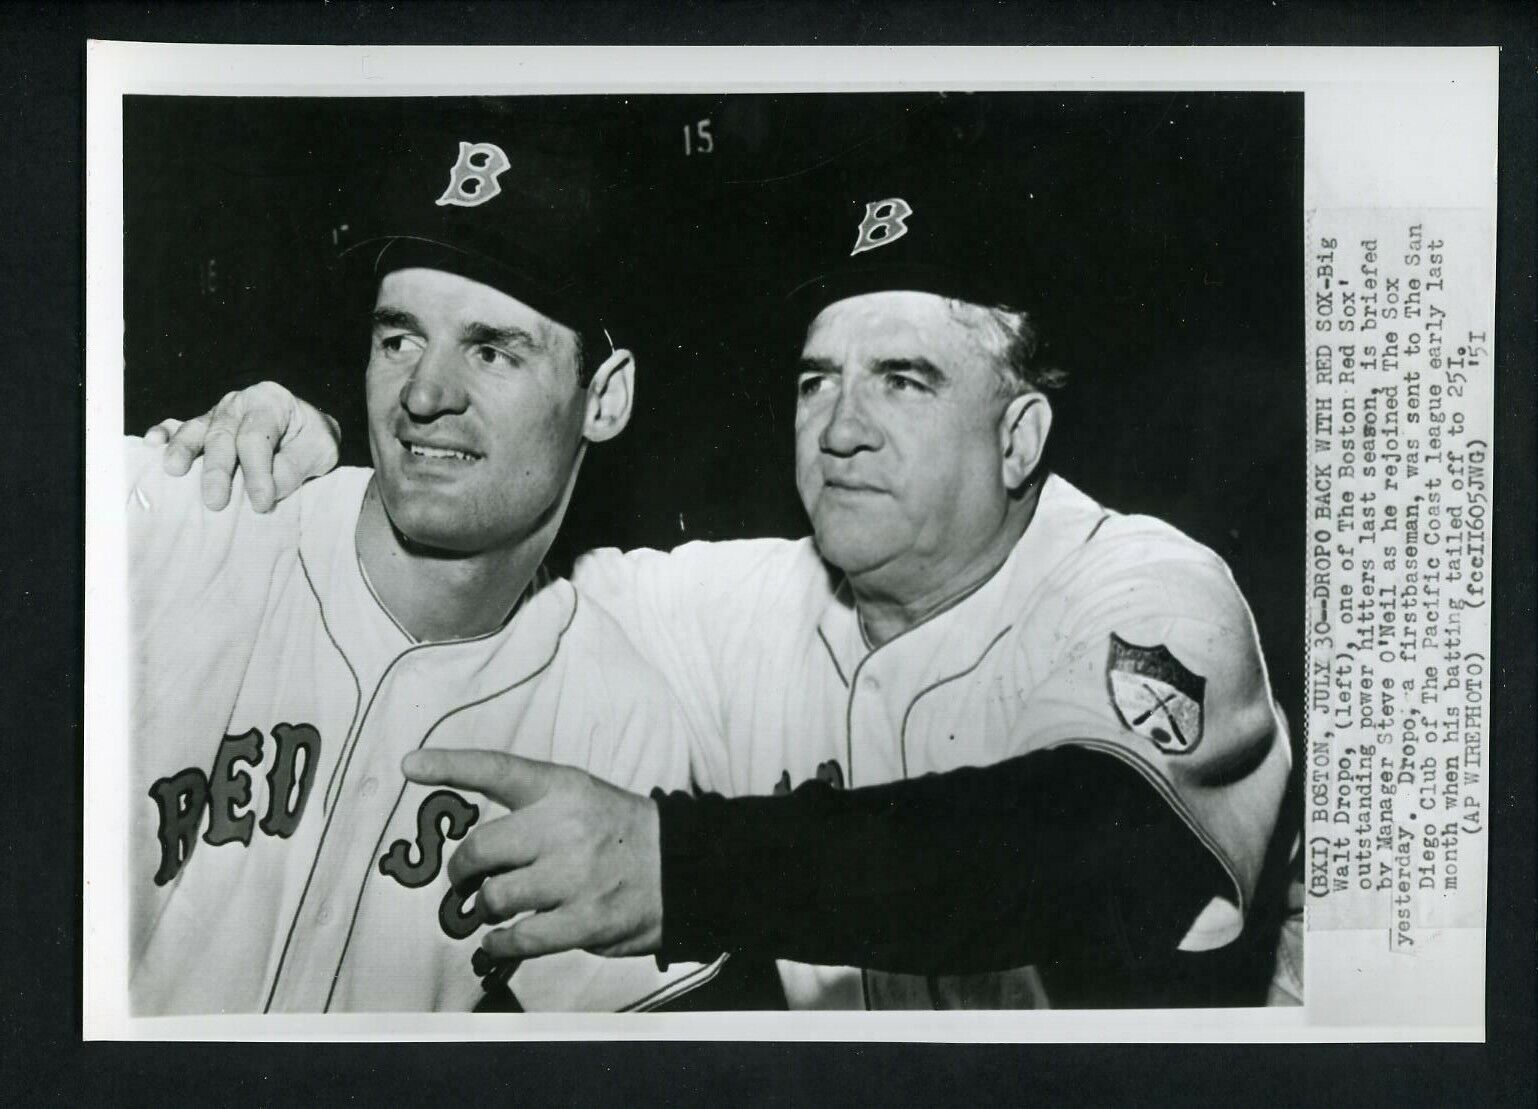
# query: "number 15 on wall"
697,139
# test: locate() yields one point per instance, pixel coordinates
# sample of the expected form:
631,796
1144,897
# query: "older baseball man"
1042,762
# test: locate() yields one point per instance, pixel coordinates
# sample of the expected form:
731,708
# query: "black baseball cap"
506,193
936,205
898,235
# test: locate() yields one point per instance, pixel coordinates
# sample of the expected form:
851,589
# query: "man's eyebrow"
919,367
395,317
816,366
474,332
487,335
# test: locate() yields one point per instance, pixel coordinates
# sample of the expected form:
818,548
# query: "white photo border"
1385,128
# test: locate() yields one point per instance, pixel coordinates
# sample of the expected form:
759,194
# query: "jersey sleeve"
1158,664
972,871
635,733
691,613
198,585
650,737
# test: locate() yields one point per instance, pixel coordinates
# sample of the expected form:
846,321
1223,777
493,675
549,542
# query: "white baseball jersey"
279,859
1115,633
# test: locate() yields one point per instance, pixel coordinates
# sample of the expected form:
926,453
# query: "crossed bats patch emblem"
1155,695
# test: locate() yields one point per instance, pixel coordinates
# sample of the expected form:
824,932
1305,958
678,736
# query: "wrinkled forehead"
893,325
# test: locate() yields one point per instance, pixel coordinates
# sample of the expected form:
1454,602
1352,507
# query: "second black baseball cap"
936,205
902,234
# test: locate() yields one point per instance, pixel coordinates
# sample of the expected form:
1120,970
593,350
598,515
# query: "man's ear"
1023,431
610,396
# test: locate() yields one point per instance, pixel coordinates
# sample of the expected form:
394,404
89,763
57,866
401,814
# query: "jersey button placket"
346,852
867,726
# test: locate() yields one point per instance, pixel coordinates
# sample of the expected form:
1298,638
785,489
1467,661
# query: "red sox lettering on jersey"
279,861
183,798
1112,632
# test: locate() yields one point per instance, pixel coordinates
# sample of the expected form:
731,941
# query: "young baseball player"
1043,762
287,660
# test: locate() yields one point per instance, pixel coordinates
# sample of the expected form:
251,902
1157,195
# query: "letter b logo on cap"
883,224
473,180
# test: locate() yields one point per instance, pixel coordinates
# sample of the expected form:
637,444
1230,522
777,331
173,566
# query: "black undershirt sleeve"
1064,859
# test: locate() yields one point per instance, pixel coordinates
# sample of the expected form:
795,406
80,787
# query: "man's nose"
435,387
850,428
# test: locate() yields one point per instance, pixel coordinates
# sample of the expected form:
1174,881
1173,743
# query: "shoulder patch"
1155,696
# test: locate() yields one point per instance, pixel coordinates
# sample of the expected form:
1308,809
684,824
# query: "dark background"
1155,235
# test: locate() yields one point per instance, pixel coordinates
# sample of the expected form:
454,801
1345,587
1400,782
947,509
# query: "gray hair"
1011,336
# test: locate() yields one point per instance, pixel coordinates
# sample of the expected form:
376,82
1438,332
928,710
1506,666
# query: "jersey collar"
960,633
370,638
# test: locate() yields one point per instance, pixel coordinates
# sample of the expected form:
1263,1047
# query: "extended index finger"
513,781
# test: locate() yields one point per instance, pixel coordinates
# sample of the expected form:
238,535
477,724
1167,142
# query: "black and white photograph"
642,550
812,551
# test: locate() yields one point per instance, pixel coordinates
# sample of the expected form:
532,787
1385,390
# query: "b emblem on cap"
885,222
473,180
1155,695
